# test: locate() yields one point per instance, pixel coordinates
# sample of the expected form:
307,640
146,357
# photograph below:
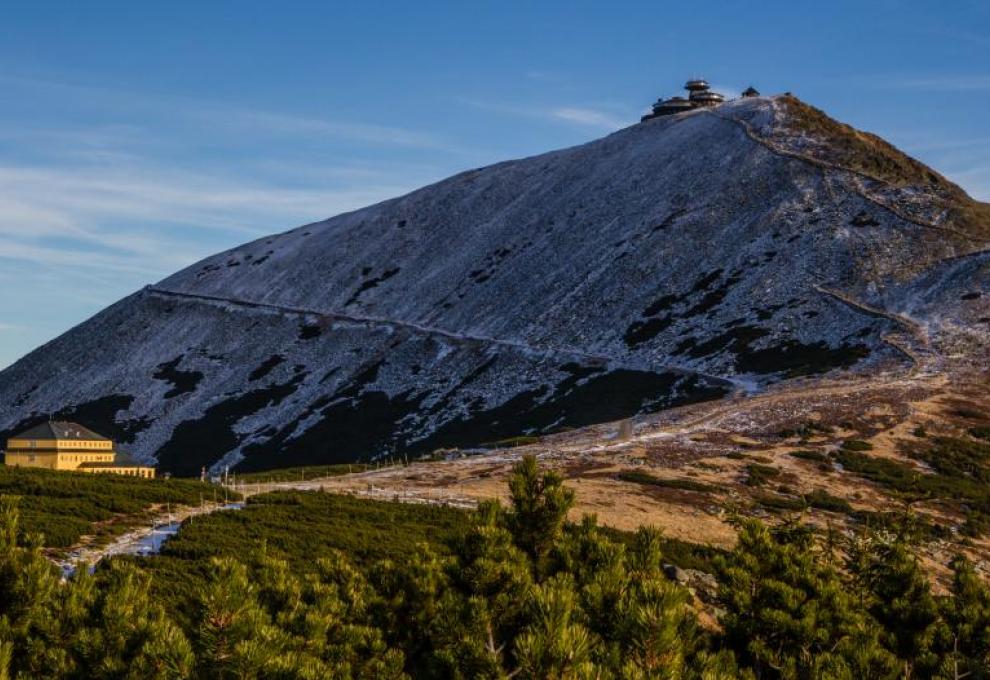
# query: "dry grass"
861,151
865,153
972,217
710,446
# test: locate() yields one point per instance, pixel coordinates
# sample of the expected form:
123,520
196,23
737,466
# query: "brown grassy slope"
867,154
690,471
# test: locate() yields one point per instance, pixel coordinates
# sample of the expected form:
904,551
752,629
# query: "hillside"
683,259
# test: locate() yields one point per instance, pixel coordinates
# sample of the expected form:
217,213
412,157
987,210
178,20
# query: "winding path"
780,150
131,542
456,337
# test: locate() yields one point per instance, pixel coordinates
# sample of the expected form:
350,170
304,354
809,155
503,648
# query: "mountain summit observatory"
700,95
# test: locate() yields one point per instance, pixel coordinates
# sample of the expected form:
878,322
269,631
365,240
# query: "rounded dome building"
707,98
700,95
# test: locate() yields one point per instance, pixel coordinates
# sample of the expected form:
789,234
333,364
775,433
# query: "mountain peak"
690,256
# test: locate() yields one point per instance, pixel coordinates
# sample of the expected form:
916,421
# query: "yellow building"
68,446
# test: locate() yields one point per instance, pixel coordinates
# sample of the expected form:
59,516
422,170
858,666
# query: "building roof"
60,429
675,104
707,96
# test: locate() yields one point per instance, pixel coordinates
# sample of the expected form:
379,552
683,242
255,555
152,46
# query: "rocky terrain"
702,256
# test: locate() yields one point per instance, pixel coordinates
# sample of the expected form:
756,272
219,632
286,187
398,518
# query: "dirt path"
129,543
918,352
453,336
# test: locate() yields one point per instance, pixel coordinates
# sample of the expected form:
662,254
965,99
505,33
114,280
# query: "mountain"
684,258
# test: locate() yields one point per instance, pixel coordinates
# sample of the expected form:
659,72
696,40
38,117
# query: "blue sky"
136,137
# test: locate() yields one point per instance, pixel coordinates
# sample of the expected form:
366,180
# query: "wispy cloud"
272,123
237,118
976,178
108,190
140,217
922,143
572,115
590,117
134,193
961,158
940,83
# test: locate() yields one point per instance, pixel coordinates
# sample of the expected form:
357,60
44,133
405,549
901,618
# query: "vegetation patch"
373,282
266,367
353,424
961,475
661,304
958,458
807,429
302,526
706,281
794,359
980,432
647,329
894,474
823,500
778,502
901,523
856,445
308,331
735,340
712,298
182,382
864,219
335,587
814,456
969,413
301,474
195,443
758,474
63,506
680,483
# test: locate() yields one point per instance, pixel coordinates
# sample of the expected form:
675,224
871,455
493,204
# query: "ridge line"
826,165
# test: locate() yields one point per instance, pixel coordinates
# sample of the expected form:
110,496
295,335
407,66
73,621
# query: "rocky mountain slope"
677,260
